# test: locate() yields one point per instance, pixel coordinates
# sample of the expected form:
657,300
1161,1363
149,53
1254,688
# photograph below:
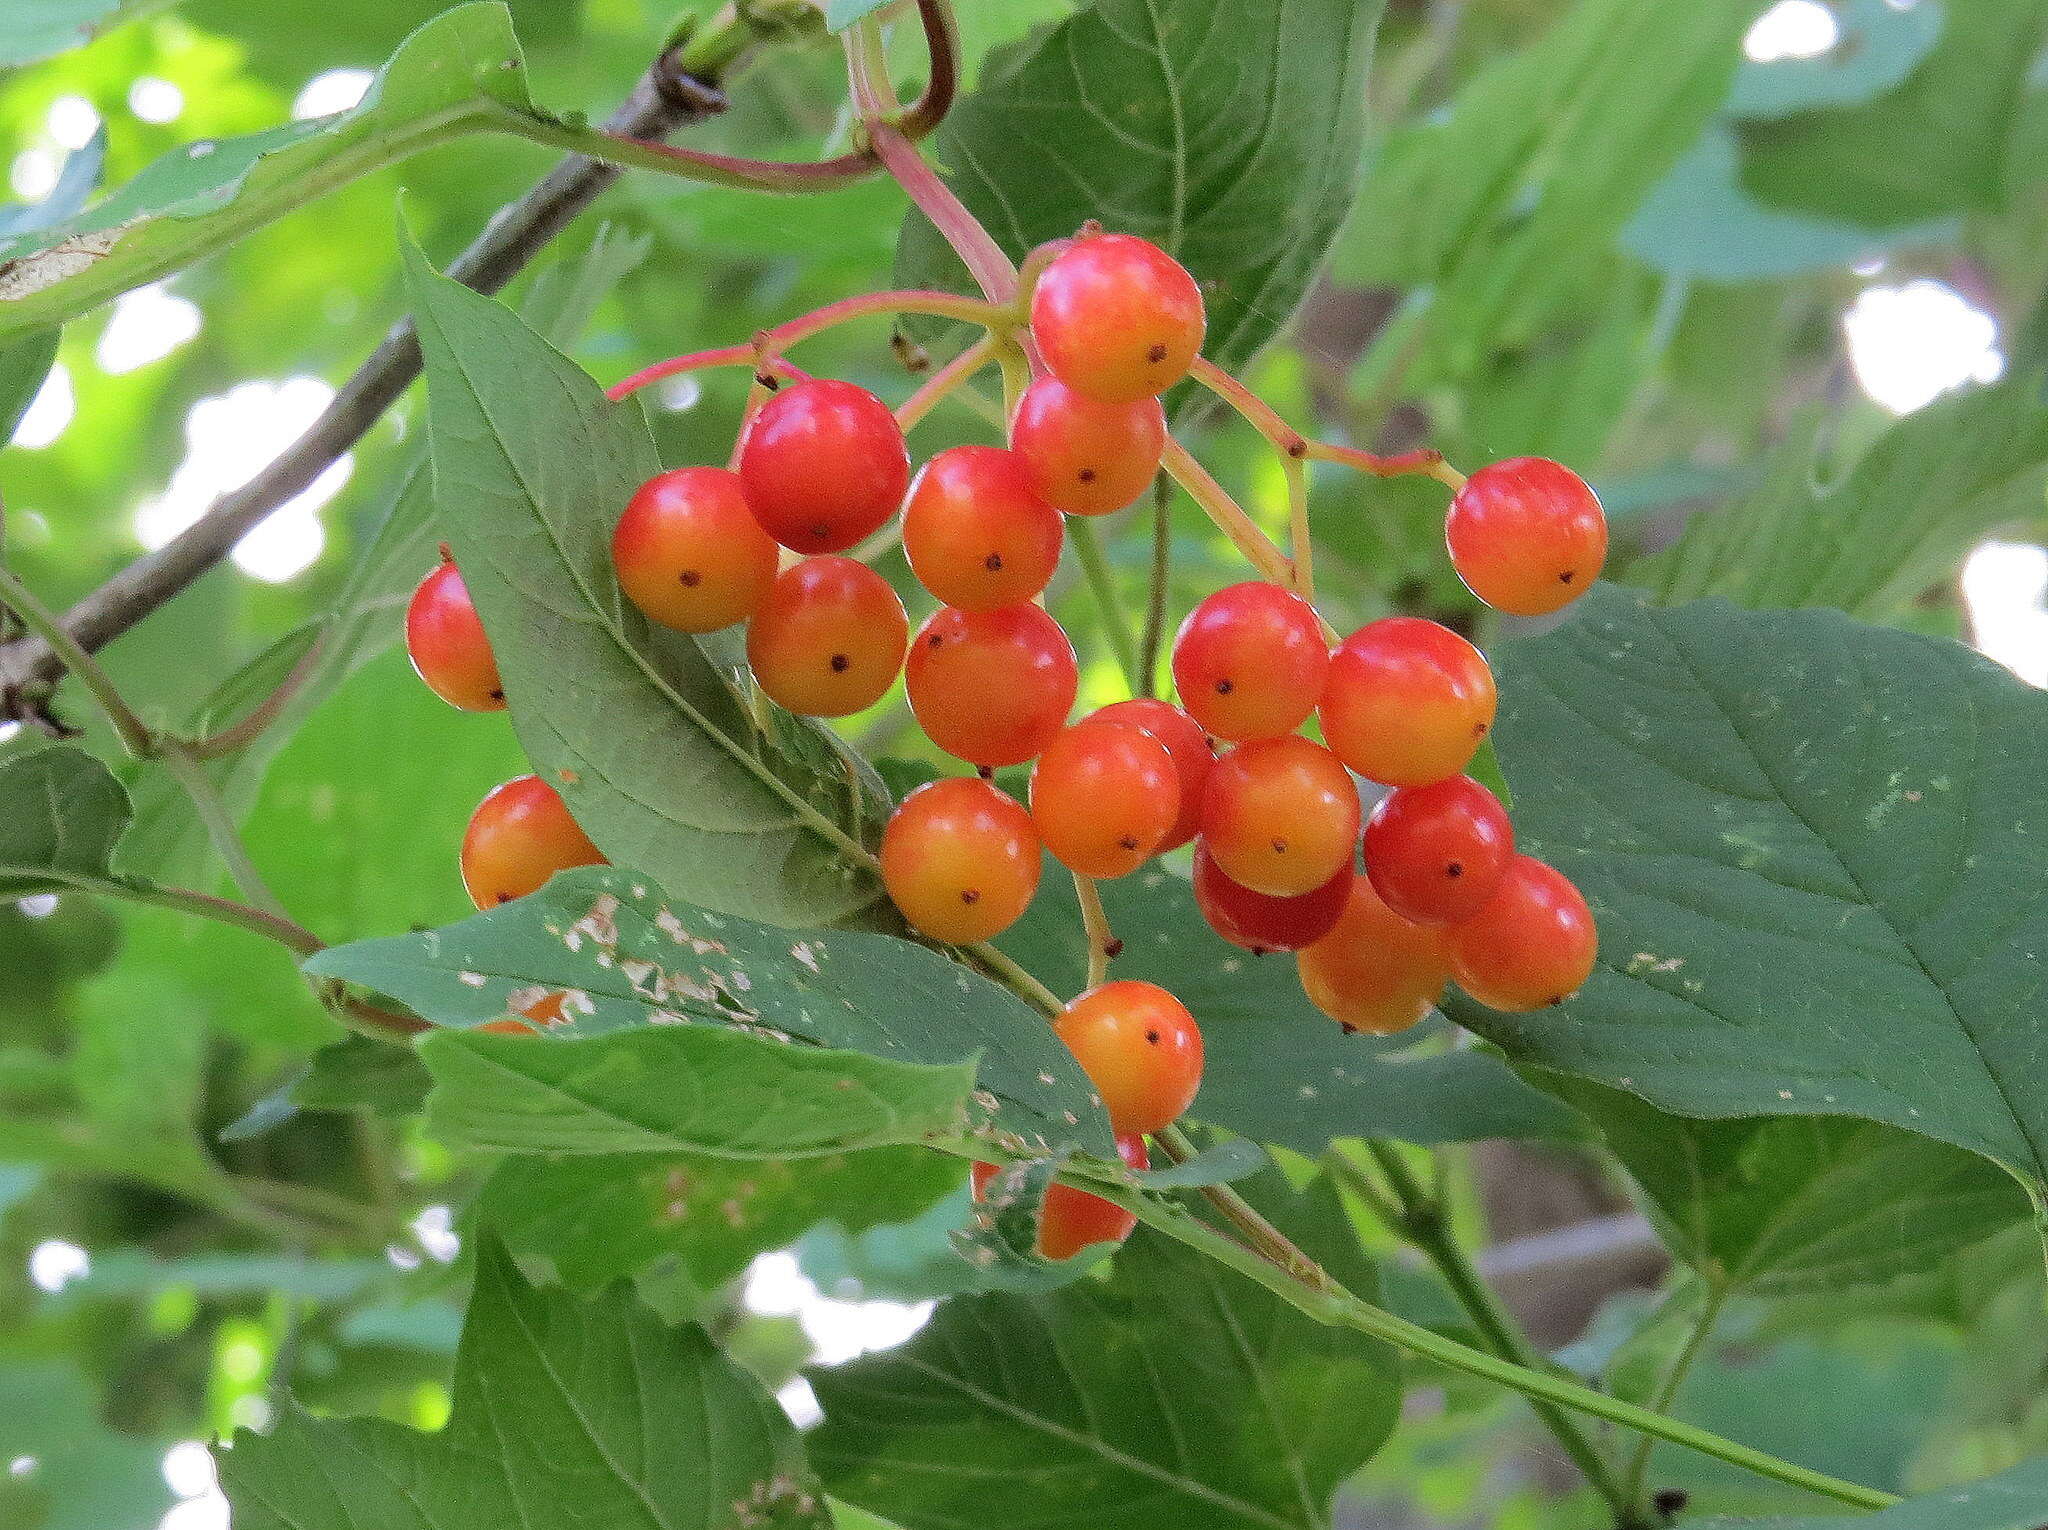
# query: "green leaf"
452,76
64,812
354,1073
1877,47
1928,489
1937,144
1816,851
1169,1392
1228,131
590,1221
1275,1070
683,1089
1799,1204
841,14
24,364
628,959
32,30
2010,1501
85,1477
644,732
565,1412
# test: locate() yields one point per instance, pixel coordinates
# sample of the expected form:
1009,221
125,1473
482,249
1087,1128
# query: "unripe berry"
445,640
689,552
1526,535
1104,796
1407,701
1185,741
1250,662
823,465
991,687
1117,318
1087,458
1436,852
1072,1219
1375,971
1280,815
961,859
1140,1048
1533,944
1260,923
828,639
975,531
520,835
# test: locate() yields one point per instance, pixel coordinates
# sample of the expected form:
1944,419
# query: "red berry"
445,640
824,465
1117,318
1087,458
1532,945
991,687
976,532
961,860
689,552
1375,971
1261,923
1185,741
1250,661
828,639
1280,815
1104,796
1407,701
1140,1048
1436,852
1073,1219
520,835
1527,535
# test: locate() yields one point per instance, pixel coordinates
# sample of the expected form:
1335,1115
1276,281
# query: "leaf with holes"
1229,131
1169,1392
624,957
565,1412
1817,852
1275,1070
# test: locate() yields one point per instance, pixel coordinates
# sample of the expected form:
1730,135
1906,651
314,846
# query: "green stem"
1667,1390
1421,1221
1154,637
300,941
220,826
1088,548
136,737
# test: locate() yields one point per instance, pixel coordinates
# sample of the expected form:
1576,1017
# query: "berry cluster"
1274,818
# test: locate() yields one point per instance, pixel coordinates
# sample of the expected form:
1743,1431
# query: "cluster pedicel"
1381,915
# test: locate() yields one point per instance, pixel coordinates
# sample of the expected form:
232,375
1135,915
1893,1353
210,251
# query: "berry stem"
1270,563
1005,970
699,361
46,624
1417,1216
1153,640
1293,449
942,383
1088,548
1095,927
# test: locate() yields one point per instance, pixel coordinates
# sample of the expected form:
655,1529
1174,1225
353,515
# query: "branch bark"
665,99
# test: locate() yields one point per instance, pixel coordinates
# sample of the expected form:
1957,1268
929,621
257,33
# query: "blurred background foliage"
1715,256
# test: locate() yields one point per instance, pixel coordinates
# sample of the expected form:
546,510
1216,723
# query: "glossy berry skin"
446,642
1436,852
1185,741
1527,535
689,552
975,531
1375,971
1407,701
520,835
828,639
1260,923
824,465
1104,796
1140,1048
1531,946
961,860
1250,662
1280,815
1073,1219
991,687
1087,457
1117,318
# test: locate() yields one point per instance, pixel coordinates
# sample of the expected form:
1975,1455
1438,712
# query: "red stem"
698,361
